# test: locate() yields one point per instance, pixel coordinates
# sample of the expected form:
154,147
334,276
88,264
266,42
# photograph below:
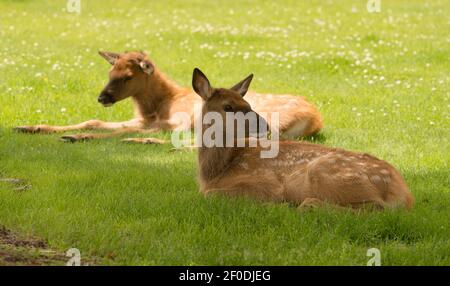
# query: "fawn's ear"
146,66
109,56
201,84
242,86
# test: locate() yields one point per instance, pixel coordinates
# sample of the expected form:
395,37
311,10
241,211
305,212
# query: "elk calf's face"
126,77
229,104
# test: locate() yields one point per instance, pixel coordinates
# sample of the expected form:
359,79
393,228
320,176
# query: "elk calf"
303,174
157,100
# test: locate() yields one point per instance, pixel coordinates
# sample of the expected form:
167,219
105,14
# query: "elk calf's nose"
102,97
261,125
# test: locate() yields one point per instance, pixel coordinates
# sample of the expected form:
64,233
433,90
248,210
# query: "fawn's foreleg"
148,140
116,133
266,189
87,125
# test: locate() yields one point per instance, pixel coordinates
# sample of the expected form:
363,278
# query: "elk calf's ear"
146,67
242,86
201,84
109,56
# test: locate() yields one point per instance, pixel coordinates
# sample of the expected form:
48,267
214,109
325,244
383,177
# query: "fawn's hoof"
144,140
311,203
75,138
30,129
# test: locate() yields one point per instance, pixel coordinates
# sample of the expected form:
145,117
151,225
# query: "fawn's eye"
127,78
228,108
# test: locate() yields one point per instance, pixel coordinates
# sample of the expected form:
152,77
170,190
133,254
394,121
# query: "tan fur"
303,174
156,99
303,171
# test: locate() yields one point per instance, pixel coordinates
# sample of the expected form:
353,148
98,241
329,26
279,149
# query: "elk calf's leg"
87,125
148,140
311,203
266,189
89,136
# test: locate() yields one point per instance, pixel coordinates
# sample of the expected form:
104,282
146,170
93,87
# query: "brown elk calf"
302,173
157,99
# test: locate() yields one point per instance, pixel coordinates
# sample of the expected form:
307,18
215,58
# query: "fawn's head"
126,76
229,102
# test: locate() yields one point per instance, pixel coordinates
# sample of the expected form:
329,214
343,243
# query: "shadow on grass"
318,138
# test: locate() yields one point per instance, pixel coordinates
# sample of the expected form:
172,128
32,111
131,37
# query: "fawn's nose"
259,127
105,98
263,126
101,98
262,123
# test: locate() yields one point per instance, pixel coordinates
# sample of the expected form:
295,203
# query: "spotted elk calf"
304,174
157,100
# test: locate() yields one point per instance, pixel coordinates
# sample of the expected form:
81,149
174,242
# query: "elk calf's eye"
228,108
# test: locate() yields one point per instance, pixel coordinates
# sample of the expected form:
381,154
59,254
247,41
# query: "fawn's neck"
158,92
214,161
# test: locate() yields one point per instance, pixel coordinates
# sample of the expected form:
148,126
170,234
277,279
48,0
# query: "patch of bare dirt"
15,250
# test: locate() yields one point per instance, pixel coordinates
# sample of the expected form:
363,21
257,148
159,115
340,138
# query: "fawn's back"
297,117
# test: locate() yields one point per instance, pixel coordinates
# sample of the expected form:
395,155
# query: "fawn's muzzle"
106,99
262,127
256,126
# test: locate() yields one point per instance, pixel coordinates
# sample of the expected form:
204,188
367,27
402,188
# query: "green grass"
380,80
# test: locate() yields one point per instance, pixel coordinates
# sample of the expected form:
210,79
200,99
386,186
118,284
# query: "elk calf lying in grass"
157,100
302,173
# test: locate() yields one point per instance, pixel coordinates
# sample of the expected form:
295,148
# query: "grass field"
380,80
